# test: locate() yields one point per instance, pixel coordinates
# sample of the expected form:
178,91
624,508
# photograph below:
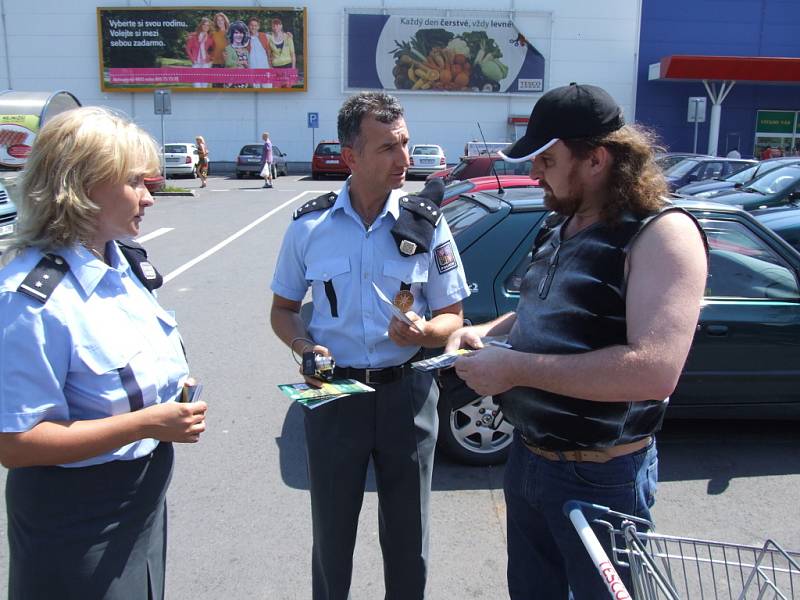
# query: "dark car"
783,220
327,160
480,166
667,159
709,188
699,169
745,358
249,161
778,187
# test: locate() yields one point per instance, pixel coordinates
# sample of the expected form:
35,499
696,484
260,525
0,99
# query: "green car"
745,359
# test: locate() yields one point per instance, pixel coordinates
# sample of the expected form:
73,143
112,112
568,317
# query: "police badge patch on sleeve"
445,258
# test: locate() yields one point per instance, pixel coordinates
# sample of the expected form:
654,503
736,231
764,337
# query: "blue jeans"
546,558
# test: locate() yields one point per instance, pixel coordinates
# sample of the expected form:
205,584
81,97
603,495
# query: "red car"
483,184
479,166
327,160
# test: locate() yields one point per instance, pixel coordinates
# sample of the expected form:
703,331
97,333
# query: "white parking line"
186,266
153,234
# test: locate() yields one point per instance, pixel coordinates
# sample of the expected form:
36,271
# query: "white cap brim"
528,156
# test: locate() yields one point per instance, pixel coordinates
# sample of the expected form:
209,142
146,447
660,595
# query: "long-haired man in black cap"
606,317
371,235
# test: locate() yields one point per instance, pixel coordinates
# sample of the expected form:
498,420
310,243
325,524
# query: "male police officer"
370,234
606,316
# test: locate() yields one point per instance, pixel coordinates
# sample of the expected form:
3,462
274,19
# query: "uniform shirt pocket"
94,386
412,270
329,283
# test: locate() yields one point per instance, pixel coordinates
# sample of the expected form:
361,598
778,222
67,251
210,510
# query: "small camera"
318,366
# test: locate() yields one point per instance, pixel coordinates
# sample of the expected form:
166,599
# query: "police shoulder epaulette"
422,207
322,202
144,270
45,276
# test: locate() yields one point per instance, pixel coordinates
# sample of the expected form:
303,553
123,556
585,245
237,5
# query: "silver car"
249,161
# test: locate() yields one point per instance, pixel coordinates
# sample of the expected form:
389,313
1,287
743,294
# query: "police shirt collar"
88,269
391,206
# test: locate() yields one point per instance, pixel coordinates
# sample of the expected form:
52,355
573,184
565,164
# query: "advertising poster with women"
464,54
202,49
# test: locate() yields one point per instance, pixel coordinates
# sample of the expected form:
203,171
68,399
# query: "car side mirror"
691,178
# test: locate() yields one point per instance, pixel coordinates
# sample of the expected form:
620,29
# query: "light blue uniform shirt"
66,359
334,245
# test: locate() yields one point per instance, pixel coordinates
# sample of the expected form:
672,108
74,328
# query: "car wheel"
274,171
475,434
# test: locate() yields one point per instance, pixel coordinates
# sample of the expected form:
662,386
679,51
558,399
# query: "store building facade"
522,48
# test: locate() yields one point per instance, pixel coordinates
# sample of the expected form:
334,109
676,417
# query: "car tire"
274,170
465,442
239,174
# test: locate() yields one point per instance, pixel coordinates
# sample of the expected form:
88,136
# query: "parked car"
783,220
699,169
482,184
155,183
480,166
327,160
775,188
8,214
248,162
743,361
426,159
709,188
181,159
668,159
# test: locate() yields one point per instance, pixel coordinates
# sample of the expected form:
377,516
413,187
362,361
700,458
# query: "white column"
716,111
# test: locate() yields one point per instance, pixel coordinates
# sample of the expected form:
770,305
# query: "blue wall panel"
714,27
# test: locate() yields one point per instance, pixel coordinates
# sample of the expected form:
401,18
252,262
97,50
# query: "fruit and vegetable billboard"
464,54
202,49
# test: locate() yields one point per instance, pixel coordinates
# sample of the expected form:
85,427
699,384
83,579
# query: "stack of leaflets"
312,397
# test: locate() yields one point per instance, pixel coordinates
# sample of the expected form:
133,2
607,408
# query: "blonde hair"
224,20
265,135
200,23
75,151
200,139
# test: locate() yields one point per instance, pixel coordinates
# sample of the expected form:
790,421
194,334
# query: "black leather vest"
572,300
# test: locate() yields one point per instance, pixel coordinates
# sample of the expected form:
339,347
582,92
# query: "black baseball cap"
569,112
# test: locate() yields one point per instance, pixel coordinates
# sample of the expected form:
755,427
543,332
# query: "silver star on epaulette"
45,276
38,284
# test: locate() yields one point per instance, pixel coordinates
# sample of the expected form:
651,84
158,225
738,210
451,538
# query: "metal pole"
163,164
696,104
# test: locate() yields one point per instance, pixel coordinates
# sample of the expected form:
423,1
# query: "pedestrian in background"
266,160
90,370
202,162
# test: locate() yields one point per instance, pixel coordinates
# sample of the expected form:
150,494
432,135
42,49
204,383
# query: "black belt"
377,376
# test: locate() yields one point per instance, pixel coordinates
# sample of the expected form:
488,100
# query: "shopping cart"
680,568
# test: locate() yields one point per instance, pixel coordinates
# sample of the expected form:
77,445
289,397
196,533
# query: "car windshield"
462,213
743,176
329,149
252,150
777,180
427,150
176,149
682,168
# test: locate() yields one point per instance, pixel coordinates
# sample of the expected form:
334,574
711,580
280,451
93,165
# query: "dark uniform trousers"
396,426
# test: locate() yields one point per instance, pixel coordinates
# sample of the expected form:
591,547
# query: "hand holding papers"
399,314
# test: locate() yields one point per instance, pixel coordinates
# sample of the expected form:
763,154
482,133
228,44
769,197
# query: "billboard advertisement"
464,54
202,49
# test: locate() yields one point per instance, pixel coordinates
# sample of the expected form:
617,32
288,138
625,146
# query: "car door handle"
717,329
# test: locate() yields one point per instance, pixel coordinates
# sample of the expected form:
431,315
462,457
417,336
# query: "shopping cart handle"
589,510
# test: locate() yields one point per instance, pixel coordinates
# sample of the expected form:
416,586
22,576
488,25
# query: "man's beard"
566,205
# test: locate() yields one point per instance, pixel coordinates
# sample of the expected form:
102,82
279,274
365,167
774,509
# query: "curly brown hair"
636,182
